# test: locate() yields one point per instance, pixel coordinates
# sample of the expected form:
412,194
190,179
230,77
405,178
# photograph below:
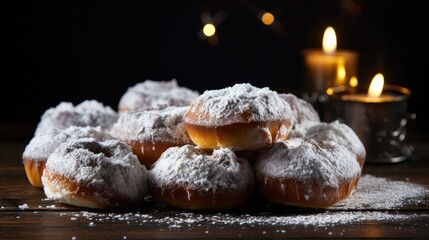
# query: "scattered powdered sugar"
107,166
373,193
23,206
162,125
151,94
192,166
381,193
221,220
236,104
87,113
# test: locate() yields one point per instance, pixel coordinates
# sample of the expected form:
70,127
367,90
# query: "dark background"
71,51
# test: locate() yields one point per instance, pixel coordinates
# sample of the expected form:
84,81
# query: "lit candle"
378,114
327,67
374,92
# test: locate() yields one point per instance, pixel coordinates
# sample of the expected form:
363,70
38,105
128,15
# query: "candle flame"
329,40
376,86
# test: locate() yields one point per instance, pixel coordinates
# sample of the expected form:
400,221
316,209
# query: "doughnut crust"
189,177
241,117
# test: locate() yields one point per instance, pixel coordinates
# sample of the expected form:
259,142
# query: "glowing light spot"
209,30
341,73
267,18
353,81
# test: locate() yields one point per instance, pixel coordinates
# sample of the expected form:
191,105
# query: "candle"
326,68
374,94
378,114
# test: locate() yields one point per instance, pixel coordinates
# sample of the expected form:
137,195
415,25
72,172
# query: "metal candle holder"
381,126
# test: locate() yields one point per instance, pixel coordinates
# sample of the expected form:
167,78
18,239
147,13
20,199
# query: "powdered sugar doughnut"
93,174
39,148
88,113
241,117
191,178
151,132
306,173
151,94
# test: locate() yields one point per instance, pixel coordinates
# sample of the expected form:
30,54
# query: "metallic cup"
381,126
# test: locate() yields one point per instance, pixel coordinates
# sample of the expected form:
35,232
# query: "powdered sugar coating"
108,166
237,104
299,130
192,166
302,109
326,163
163,125
88,113
335,131
41,146
151,94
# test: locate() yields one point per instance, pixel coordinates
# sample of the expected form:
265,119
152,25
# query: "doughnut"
39,148
151,94
95,174
149,133
306,173
303,110
189,177
315,171
87,113
241,117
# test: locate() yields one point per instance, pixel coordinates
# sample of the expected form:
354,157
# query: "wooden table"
26,213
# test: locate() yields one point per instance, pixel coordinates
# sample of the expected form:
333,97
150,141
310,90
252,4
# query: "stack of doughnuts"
209,175
317,167
208,151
